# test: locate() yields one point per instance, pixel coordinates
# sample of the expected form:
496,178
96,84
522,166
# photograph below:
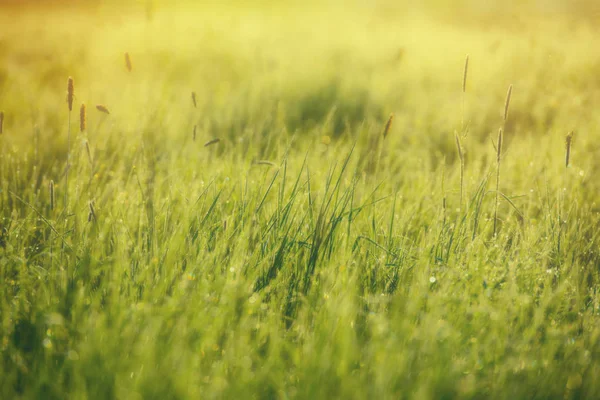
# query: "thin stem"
68,164
497,193
462,166
498,158
67,185
444,193
462,111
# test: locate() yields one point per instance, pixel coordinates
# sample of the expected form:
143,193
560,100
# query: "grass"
298,255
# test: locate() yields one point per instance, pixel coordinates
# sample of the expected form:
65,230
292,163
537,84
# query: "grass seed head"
569,142
82,118
507,102
70,93
102,108
211,142
388,125
499,146
128,62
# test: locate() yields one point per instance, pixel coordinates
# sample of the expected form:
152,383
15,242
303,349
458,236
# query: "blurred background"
303,60
575,7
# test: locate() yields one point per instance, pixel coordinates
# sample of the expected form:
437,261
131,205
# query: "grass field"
312,252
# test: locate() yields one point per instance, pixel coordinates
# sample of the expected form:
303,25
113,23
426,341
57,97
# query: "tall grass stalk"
461,158
444,192
499,155
563,189
462,131
464,91
51,195
498,158
70,96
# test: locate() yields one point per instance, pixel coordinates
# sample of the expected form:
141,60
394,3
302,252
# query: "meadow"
287,200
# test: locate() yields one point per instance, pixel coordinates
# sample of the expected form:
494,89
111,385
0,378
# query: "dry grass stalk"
82,118
388,125
1,122
569,142
211,142
102,108
195,128
194,99
128,62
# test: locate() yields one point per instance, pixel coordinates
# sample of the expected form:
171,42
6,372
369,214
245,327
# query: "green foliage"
301,256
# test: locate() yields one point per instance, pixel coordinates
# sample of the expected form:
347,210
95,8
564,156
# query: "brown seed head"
82,118
507,103
70,93
211,142
569,142
102,108
128,62
499,146
388,125
1,121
